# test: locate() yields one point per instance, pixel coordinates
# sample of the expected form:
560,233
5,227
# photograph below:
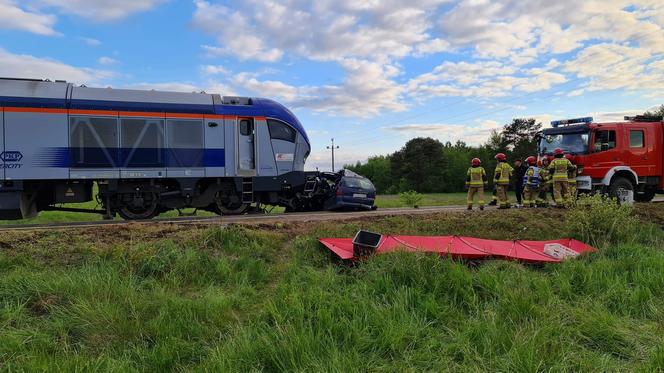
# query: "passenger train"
148,151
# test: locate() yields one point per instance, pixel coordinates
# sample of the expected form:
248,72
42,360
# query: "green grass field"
270,298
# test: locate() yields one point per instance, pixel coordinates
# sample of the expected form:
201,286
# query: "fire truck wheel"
622,189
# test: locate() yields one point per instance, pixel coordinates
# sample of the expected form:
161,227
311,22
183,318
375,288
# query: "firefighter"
572,179
476,180
559,169
519,174
545,183
531,183
501,178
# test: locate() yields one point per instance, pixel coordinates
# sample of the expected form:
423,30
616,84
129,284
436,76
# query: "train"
139,153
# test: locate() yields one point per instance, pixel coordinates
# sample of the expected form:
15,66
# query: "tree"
420,163
378,170
520,137
659,112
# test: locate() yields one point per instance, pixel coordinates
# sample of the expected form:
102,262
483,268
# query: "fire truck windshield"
576,143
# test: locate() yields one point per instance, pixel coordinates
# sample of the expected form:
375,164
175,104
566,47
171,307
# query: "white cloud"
470,134
482,79
101,10
321,30
214,70
27,66
514,45
611,66
91,41
105,60
367,90
14,17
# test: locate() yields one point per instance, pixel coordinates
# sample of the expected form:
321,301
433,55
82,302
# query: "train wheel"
140,208
230,205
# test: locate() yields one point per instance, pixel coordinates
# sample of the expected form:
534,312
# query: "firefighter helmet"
569,156
531,161
476,162
500,157
558,151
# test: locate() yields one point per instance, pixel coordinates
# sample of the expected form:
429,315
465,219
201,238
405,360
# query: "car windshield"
576,143
358,182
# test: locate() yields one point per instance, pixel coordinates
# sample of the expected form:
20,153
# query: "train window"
185,143
636,139
183,134
93,142
142,142
280,130
246,127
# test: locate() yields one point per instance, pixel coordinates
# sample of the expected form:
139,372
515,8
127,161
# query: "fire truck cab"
623,159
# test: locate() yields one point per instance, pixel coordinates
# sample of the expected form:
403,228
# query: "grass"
270,299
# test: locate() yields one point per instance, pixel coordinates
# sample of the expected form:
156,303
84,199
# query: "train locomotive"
149,151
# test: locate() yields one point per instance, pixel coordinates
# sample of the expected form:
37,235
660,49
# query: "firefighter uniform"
571,176
545,185
501,178
531,187
475,182
558,169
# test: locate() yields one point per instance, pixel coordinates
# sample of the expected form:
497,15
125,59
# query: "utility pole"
333,147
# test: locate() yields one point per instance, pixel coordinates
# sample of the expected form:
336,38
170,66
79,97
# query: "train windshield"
576,143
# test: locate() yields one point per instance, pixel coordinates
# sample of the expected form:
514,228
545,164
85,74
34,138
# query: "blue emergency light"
556,123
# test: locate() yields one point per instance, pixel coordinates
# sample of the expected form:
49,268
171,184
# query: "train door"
2,142
246,147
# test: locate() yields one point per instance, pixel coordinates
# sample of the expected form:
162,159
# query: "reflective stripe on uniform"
476,175
503,173
560,168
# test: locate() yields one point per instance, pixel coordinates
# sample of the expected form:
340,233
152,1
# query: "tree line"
427,165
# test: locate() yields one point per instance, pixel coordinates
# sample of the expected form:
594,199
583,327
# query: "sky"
371,74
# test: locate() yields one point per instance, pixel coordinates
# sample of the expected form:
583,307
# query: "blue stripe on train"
62,157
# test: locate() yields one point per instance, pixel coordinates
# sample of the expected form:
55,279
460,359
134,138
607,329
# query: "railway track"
249,218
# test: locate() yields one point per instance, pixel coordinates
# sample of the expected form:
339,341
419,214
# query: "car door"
606,146
246,147
641,150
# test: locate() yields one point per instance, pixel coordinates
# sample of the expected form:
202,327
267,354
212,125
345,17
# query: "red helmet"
475,162
531,160
558,151
569,156
500,157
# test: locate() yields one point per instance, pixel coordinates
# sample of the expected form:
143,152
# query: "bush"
410,198
599,221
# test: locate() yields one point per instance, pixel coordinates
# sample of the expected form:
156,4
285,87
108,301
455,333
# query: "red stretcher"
366,243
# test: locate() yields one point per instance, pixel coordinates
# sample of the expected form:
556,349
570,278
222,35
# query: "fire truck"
621,159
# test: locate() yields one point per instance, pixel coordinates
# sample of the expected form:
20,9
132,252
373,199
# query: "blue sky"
371,74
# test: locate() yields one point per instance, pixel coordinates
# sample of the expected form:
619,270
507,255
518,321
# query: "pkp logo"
11,156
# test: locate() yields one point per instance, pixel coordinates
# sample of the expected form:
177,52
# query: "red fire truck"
623,159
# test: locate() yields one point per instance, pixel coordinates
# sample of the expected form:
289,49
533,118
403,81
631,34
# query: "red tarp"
467,247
